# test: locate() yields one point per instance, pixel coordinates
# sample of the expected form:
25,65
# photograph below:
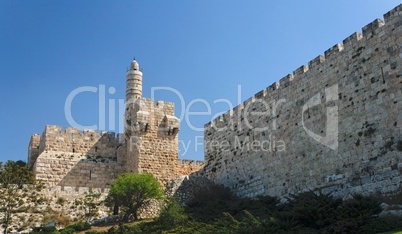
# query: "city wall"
334,124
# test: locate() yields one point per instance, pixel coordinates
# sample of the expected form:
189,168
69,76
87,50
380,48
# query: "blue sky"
203,49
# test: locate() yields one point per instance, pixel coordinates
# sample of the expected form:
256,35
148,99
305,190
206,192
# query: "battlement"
73,140
69,131
191,163
351,47
186,167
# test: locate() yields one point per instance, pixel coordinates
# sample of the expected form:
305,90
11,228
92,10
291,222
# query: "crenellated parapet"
72,140
191,163
186,166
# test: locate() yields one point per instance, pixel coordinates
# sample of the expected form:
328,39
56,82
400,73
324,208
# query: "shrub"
67,230
80,226
382,224
44,230
172,214
61,201
93,232
355,213
125,229
209,203
304,213
314,210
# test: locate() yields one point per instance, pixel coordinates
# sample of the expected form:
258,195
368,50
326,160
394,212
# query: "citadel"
72,158
340,123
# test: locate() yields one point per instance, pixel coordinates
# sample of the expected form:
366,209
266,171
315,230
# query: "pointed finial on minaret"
134,65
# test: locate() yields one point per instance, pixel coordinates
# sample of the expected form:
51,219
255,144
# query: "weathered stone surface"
335,125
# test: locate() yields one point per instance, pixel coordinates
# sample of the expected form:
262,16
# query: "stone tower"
151,131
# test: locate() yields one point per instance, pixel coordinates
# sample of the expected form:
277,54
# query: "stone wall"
76,170
75,158
334,124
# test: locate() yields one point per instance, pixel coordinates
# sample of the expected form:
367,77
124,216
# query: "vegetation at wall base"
70,229
18,189
215,209
132,191
310,212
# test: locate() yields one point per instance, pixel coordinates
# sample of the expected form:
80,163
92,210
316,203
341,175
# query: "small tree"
17,187
132,191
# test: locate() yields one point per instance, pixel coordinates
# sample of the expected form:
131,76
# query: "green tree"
132,191
17,187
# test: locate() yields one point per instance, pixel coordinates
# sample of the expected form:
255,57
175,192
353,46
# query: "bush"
313,210
67,230
125,229
304,213
355,213
382,224
94,232
210,203
80,226
172,214
329,214
44,230
61,201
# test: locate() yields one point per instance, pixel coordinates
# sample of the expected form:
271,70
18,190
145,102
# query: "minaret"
133,83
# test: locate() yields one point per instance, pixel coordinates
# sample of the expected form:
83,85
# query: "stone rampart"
334,124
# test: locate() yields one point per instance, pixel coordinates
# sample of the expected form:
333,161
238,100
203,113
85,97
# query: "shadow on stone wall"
88,163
